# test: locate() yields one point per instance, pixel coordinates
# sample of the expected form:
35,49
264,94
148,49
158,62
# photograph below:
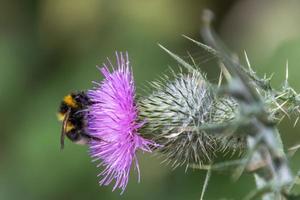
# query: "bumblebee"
71,113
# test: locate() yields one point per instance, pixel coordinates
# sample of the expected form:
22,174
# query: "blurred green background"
50,47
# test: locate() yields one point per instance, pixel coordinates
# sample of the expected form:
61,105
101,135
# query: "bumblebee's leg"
64,128
78,137
91,137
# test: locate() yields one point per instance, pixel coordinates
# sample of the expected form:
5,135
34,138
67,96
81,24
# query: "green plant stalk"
274,167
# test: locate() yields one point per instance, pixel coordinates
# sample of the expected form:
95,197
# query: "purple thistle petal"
113,119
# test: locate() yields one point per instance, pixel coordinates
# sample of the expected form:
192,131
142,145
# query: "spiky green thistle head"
175,113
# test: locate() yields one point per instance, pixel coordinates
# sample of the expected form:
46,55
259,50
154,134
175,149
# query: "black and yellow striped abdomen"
72,113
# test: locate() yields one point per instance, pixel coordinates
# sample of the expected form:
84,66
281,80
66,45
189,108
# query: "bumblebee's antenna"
63,129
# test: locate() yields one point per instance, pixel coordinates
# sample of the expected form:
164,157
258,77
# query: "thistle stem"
275,170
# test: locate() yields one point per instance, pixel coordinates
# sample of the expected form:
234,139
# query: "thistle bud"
175,113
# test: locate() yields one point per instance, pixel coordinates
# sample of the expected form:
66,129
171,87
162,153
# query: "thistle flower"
113,119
